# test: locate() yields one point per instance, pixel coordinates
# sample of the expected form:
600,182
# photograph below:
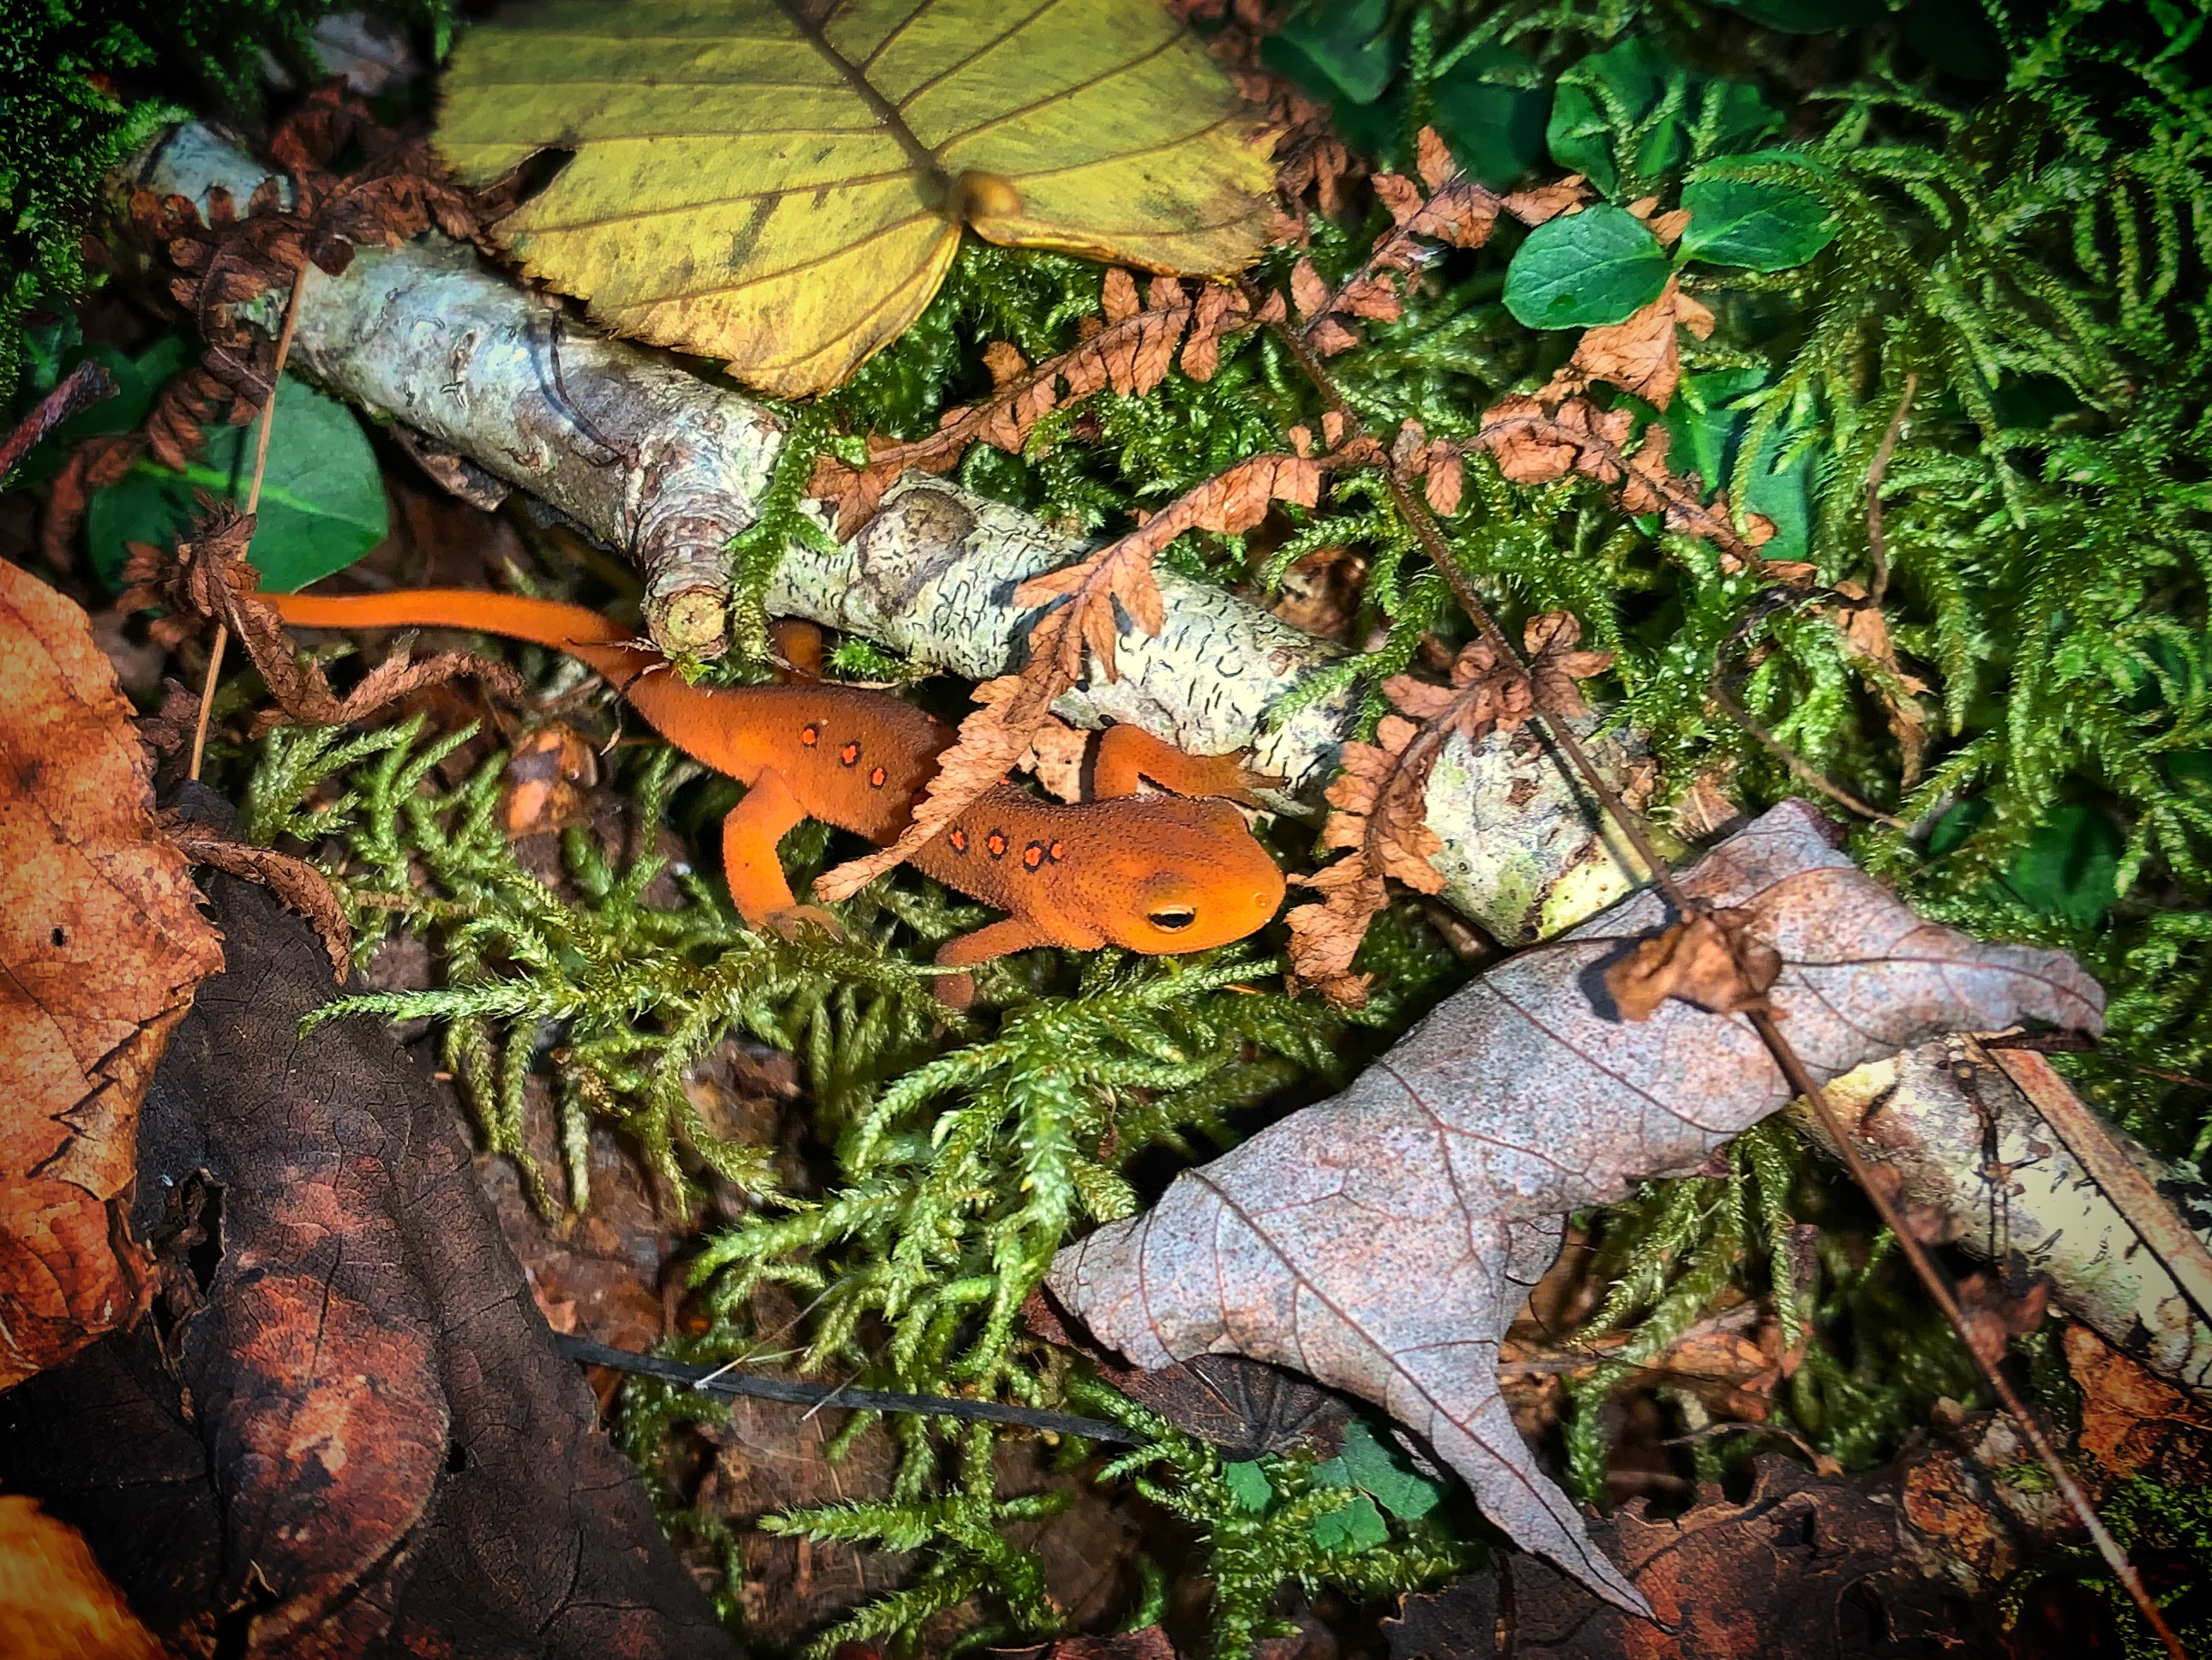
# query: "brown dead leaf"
55,1603
1547,202
1383,1242
355,1435
102,942
549,779
1713,962
1640,353
2129,1415
1551,643
1379,814
1129,353
1229,503
1379,804
1443,210
1803,1566
1867,638
299,884
1533,444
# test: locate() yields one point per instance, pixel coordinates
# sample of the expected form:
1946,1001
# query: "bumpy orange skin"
1161,874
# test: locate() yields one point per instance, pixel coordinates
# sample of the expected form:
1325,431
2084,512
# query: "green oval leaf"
1761,224
322,497
1585,270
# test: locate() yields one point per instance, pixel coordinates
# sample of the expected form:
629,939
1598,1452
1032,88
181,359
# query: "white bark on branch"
666,466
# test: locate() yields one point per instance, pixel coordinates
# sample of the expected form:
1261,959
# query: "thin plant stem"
253,506
1878,589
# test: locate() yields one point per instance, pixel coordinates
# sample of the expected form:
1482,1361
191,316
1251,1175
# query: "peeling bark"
666,466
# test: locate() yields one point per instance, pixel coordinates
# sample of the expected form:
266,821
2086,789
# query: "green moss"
84,82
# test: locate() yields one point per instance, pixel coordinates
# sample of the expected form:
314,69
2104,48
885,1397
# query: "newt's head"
1182,875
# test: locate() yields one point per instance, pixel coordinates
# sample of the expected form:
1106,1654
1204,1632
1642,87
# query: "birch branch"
667,467
1969,1147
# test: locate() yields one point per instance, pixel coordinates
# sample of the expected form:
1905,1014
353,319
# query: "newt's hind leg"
1126,756
757,887
1007,934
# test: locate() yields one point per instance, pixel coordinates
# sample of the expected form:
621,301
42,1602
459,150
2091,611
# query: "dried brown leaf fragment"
102,943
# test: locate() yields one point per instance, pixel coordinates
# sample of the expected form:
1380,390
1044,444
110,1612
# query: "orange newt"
1153,873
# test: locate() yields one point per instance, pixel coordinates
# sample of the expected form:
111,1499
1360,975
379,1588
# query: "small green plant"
1362,1521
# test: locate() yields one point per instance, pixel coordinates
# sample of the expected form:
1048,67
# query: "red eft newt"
1159,874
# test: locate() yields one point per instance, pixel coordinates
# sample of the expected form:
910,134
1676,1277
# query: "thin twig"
253,506
1878,589
1800,769
1415,513
721,1380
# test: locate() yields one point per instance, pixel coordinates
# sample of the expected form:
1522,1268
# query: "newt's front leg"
1000,939
757,888
1128,755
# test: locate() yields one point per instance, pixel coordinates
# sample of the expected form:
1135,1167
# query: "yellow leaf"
787,194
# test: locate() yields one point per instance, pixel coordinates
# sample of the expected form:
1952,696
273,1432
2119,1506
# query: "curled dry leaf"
1379,803
1382,1241
1639,354
1375,813
1444,209
1711,962
1553,642
1548,201
210,578
102,942
1534,444
1130,353
299,884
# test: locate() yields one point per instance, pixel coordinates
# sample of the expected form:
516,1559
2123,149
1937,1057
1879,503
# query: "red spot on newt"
1033,856
876,779
1056,852
850,755
810,734
959,839
996,841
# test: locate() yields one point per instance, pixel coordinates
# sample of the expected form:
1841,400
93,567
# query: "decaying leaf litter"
1534,443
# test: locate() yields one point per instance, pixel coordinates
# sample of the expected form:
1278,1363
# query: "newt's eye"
1171,919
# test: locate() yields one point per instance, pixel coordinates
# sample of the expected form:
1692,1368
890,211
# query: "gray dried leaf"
1382,1241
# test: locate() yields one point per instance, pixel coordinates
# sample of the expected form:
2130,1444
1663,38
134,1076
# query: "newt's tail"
576,629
